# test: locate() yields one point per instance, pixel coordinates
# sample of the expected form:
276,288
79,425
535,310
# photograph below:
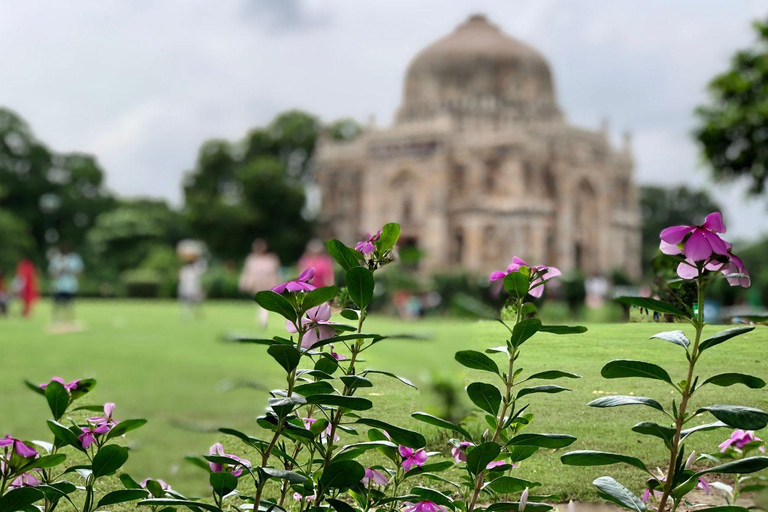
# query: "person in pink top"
261,271
316,257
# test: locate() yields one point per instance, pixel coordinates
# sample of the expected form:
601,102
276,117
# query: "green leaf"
171,502
739,467
283,405
434,496
314,388
35,387
653,305
389,374
724,508
611,490
109,459
344,256
352,403
523,330
477,361
724,336
542,440
563,329
341,474
19,499
58,399
531,506
125,426
399,435
510,484
439,422
554,374
676,337
520,453
360,285
121,496
389,235
54,492
622,368
282,474
355,381
435,467
319,296
729,379
596,458
44,462
485,396
84,387
480,456
276,303
340,506
546,388
64,436
618,401
516,284
736,416
286,356
350,314
702,428
654,429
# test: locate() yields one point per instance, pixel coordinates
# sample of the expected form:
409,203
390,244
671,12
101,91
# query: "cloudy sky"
142,83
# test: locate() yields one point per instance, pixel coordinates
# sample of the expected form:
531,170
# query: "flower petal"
714,222
675,234
697,247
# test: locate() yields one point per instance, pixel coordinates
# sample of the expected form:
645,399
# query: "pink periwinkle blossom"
18,447
88,437
540,273
303,283
107,419
375,476
217,467
698,242
336,356
298,497
163,485
316,325
69,386
324,434
739,439
423,506
412,457
26,480
367,246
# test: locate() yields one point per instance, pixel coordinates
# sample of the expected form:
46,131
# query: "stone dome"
478,72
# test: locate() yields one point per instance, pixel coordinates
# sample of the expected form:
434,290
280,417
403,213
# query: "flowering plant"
701,256
740,445
31,471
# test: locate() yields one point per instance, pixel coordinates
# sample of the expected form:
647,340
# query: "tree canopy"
733,124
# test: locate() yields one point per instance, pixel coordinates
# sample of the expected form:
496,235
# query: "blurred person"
316,257
65,268
26,286
190,290
261,271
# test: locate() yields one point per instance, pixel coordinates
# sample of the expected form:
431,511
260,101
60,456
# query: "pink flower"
300,284
412,458
375,476
69,386
367,246
88,437
216,467
423,506
26,480
324,434
540,274
298,497
338,357
734,265
698,242
164,486
109,408
19,448
316,325
738,440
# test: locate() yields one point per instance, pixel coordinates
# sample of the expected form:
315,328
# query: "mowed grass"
154,363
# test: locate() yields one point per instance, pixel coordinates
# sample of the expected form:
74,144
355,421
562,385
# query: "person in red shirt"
27,287
316,257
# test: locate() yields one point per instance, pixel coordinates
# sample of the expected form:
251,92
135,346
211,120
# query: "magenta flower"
738,440
109,408
367,246
88,437
163,485
316,325
324,434
412,458
734,265
540,274
375,476
298,497
69,386
300,284
217,467
25,480
423,506
459,453
19,448
338,357
698,242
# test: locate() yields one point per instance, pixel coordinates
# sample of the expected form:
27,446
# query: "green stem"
686,395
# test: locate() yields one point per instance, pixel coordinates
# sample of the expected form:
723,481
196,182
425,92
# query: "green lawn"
158,365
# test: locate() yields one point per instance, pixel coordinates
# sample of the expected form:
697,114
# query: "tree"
733,125
16,241
661,207
59,196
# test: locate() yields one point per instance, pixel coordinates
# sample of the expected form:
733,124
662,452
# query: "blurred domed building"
481,165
